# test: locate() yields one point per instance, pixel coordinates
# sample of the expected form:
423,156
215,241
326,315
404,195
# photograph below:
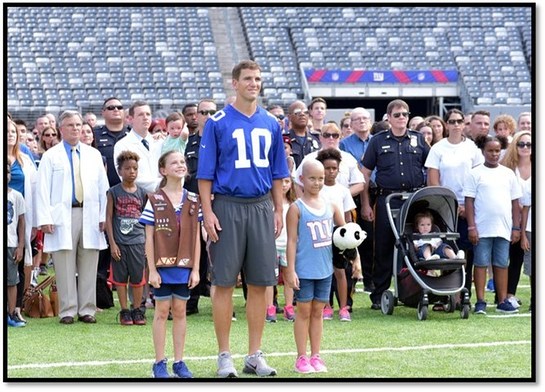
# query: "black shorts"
131,266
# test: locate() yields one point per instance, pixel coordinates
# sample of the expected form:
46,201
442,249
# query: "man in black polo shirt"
398,155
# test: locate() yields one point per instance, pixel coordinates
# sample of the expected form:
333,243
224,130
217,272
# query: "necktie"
78,187
145,143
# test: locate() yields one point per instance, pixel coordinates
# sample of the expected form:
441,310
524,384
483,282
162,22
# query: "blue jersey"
242,155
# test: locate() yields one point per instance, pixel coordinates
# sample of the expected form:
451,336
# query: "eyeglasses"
346,125
330,135
523,144
113,107
399,114
458,121
298,112
49,134
207,112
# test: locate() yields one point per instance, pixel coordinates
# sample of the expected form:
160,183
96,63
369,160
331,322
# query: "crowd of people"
173,209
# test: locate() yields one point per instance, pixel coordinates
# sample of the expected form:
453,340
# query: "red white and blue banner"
387,77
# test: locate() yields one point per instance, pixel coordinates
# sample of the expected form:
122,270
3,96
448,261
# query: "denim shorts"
167,291
491,250
439,251
314,290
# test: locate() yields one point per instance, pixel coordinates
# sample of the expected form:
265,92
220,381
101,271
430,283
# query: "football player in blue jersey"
242,163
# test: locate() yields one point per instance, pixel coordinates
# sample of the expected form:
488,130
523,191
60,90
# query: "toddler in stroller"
431,248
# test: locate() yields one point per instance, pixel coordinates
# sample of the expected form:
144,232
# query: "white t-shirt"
15,208
349,173
282,239
339,195
526,199
454,161
493,190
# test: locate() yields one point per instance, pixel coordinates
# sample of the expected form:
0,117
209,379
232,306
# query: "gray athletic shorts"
13,272
246,241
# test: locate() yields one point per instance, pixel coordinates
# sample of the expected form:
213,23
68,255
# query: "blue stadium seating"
69,56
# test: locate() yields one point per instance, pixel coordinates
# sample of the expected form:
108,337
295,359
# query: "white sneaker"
513,301
256,364
433,257
225,366
461,255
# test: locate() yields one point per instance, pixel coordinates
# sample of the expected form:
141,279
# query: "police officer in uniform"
398,155
302,141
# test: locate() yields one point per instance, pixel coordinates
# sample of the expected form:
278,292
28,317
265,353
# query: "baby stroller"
413,287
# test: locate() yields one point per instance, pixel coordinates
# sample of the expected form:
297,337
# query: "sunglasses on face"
346,125
458,121
50,134
113,107
300,112
207,112
524,144
399,114
280,117
330,135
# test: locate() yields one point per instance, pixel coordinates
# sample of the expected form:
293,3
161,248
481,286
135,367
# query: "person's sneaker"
514,301
256,364
344,315
225,366
15,317
302,365
159,369
19,315
138,317
43,269
480,307
317,364
506,307
327,313
490,286
16,324
433,257
289,314
271,314
461,255
125,317
180,370
234,317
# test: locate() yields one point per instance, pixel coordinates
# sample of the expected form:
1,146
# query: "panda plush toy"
346,240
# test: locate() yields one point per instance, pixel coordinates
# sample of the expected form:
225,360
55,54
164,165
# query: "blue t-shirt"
242,155
314,255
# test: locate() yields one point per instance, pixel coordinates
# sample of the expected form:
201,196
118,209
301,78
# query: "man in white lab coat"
71,211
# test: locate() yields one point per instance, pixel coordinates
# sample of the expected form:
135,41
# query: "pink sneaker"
271,314
289,313
328,313
302,365
344,314
317,364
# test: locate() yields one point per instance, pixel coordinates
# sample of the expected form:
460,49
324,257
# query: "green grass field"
373,347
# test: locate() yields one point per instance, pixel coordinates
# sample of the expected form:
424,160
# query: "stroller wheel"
464,313
450,306
422,311
387,302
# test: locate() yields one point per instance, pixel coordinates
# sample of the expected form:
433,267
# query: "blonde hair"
511,157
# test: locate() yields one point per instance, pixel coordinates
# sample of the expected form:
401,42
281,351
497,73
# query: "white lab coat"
54,197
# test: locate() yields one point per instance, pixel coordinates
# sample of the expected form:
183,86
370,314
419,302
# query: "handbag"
36,302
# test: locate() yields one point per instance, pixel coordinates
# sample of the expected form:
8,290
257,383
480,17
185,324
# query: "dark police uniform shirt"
298,150
399,162
105,140
192,162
